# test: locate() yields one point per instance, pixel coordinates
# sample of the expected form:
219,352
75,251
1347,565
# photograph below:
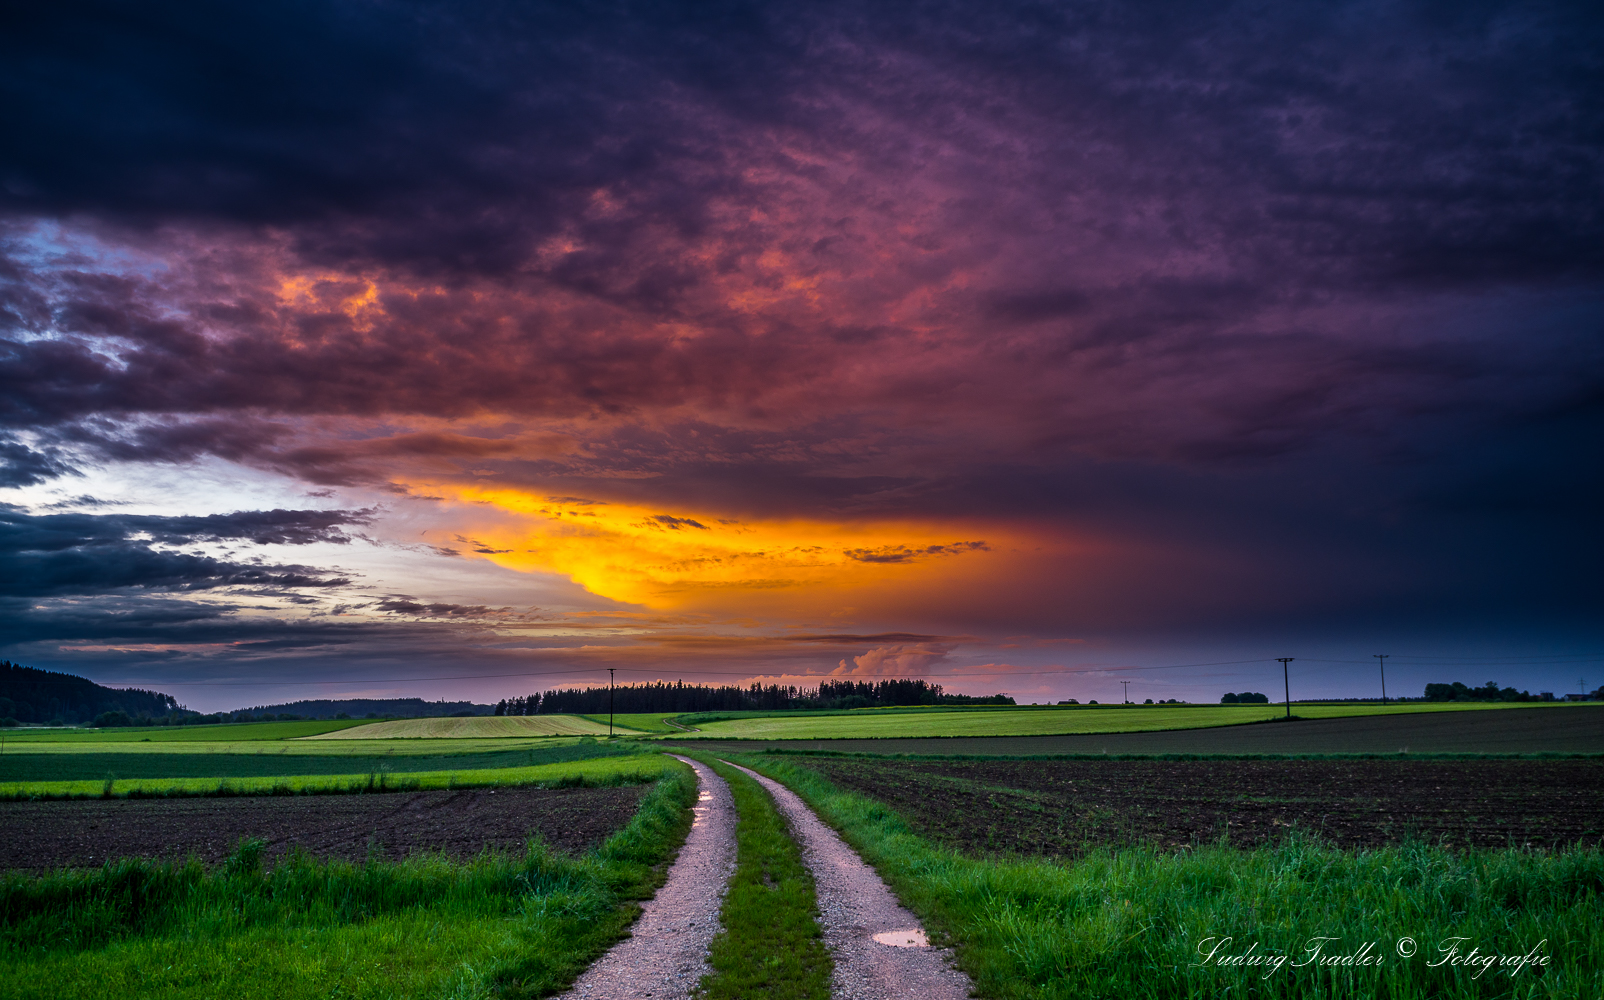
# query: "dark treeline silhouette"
1245,698
42,696
1487,692
682,697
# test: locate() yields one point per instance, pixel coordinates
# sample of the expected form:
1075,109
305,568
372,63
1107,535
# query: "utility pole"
1382,657
1127,691
610,701
1284,660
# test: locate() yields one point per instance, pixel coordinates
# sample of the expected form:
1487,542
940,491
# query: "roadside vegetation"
499,926
1137,922
771,945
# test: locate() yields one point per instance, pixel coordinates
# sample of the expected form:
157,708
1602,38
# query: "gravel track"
854,906
666,955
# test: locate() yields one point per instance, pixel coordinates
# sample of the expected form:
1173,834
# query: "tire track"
877,944
665,956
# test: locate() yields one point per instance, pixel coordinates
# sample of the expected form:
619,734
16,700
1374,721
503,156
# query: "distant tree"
1229,698
114,718
1458,691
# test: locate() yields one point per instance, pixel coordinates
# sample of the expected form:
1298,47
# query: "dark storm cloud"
23,466
1322,277
904,554
99,553
402,605
1411,143
156,622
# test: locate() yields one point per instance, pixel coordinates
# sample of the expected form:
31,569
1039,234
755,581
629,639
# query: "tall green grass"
501,925
771,945
610,770
208,760
1138,923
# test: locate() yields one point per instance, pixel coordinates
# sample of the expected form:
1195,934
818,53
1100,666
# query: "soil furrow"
856,908
666,955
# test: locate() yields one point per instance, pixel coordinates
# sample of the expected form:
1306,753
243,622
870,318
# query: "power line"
566,671
1052,671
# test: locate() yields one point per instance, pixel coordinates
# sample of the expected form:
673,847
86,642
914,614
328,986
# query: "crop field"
1070,807
474,727
305,748
238,732
485,865
640,722
1129,921
1575,729
631,768
1052,722
501,924
16,767
459,824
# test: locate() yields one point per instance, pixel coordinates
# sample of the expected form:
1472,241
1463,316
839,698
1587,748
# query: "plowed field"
42,835
1063,808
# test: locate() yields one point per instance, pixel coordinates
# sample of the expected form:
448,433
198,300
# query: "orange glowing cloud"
682,560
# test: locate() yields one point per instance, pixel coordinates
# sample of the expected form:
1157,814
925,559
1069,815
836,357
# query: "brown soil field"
37,836
1064,808
1501,731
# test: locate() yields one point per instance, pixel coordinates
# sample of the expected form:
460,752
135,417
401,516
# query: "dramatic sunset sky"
465,350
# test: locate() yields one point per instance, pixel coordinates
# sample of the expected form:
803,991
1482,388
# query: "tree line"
685,698
28,694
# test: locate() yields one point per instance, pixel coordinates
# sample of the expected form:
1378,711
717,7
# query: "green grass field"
265,759
300,748
640,722
474,727
242,732
500,926
640,766
1057,721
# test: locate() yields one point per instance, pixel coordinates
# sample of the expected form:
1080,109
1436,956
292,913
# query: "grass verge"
603,771
771,945
500,926
1140,923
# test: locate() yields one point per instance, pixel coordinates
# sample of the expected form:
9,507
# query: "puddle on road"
914,938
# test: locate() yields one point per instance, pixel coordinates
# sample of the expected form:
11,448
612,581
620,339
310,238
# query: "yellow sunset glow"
644,556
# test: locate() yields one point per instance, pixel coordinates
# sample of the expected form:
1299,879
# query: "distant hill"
358,708
31,695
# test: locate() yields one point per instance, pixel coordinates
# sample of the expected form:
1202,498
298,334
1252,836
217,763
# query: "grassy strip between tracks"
771,945
602,771
499,926
1140,923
